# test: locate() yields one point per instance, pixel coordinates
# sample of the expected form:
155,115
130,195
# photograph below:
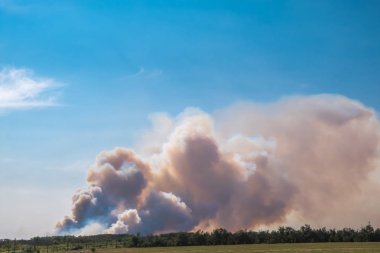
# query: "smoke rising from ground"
311,159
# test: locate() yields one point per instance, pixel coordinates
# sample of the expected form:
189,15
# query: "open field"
301,247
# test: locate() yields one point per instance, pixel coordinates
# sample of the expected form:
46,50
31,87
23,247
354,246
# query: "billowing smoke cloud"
301,160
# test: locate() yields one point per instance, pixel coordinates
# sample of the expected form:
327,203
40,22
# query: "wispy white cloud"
140,72
143,73
13,5
21,88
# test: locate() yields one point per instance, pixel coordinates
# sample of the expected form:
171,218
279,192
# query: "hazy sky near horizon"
79,77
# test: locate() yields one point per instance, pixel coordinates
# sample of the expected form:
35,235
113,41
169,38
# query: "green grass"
274,248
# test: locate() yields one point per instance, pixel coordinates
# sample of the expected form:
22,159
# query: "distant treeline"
220,236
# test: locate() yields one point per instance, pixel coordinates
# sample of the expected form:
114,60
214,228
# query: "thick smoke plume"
300,160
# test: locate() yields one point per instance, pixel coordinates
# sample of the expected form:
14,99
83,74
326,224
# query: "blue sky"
108,65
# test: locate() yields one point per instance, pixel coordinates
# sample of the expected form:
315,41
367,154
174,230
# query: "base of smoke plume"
305,234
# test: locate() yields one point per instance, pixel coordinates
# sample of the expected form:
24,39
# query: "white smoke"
300,160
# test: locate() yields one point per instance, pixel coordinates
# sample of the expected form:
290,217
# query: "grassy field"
304,247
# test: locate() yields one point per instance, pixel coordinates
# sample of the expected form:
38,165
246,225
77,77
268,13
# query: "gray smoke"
300,160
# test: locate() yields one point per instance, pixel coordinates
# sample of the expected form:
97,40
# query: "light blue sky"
108,65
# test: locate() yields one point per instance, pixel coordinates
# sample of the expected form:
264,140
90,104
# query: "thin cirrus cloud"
21,89
13,6
143,73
